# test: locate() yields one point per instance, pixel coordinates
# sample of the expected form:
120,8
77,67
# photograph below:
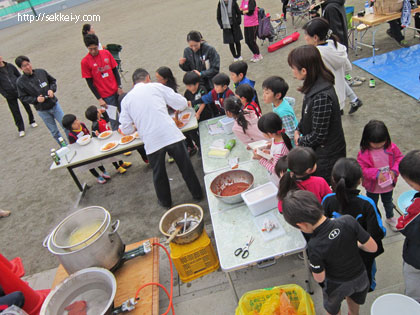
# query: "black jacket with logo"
8,76
34,85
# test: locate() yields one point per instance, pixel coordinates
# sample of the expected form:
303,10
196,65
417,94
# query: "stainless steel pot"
104,248
96,286
176,214
228,178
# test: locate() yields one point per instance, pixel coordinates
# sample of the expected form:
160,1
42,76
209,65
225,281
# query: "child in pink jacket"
379,159
245,126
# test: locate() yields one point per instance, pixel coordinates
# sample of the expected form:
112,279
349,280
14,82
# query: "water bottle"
367,9
230,144
55,157
62,142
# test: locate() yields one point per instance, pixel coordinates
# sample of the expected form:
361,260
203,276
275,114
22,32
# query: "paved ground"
153,34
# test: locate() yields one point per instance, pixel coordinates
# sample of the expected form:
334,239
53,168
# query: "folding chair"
299,9
115,50
350,27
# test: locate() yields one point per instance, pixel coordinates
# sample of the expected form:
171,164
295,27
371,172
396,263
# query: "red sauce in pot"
234,189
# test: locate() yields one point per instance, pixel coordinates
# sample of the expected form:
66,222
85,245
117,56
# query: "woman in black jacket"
229,19
201,58
320,126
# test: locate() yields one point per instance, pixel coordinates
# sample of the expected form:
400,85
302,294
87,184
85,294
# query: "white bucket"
393,303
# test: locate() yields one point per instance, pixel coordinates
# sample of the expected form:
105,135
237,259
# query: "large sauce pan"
228,178
103,248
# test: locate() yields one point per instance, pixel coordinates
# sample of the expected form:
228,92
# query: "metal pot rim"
106,221
176,207
108,273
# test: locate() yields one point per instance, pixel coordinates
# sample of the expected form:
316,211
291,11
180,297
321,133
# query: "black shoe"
354,106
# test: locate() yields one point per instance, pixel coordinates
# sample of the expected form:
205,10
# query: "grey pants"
412,279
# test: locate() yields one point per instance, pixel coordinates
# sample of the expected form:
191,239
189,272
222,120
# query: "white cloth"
337,61
145,107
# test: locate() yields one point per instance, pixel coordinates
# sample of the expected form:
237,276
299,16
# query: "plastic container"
393,303
261,199
405,200
195,259
227,124
387,182
252,301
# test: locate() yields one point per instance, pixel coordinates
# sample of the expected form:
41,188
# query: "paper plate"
404,200
105,135
104,149
131,137
84,140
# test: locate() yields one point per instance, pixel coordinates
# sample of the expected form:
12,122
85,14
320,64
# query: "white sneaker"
253,59
34,125
240,58
260,57
21,133
392,222
235,59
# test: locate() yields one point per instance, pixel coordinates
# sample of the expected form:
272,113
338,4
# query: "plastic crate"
194,260
252,301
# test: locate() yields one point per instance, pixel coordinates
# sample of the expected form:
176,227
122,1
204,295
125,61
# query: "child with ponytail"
245,126
272,127
301,163
346,177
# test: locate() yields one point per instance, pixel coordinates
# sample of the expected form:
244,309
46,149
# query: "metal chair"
115,50
299,11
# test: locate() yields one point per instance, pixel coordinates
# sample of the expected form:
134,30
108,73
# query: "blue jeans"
113,101
50,116
386,201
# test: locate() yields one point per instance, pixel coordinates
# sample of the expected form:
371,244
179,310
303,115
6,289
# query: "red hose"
170,296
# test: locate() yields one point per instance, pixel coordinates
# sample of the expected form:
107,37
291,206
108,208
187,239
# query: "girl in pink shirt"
302,164
379,159
245,126
271,125
250,11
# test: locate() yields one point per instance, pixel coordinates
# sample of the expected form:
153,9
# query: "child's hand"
102,110
381,178
189,103
97,133
266,150
392,174
268,146
197,116
256,156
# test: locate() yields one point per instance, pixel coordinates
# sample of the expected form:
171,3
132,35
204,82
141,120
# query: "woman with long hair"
320,126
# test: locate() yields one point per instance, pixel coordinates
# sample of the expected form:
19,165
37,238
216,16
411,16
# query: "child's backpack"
265,29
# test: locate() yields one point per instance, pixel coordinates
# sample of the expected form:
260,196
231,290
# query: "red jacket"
409,225
316,185
370,173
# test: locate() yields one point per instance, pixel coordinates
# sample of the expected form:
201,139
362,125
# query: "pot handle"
115,227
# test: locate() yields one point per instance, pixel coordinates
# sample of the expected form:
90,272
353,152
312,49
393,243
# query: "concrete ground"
153,34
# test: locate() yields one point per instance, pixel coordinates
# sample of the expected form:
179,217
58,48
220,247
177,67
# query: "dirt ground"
153,34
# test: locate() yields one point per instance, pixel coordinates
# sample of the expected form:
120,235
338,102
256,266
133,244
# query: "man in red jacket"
100,70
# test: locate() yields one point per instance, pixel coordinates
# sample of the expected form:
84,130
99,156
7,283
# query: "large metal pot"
176,214
95,286
103,248
228,178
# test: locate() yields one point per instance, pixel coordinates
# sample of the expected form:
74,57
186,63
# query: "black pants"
192,138
395,28
95,173
251,39
285,3
14,298
14,108
179,152
236,53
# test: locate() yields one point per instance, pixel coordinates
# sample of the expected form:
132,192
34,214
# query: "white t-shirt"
145,106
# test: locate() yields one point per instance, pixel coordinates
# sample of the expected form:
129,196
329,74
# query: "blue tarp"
399,68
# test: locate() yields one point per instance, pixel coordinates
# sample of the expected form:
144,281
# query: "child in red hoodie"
409,225
301,162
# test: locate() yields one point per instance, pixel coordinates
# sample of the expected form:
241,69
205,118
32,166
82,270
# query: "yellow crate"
252,301
194,260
